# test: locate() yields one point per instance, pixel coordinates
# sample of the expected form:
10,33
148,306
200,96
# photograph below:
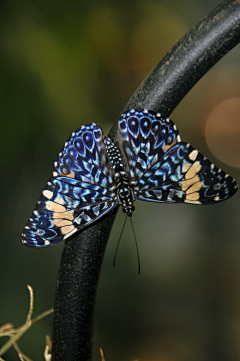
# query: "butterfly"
92,176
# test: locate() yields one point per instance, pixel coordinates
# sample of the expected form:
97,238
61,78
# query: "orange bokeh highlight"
223,132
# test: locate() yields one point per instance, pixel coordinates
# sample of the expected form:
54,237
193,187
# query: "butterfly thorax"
124,190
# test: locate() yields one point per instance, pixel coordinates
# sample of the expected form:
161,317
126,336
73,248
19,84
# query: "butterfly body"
124,189
92,176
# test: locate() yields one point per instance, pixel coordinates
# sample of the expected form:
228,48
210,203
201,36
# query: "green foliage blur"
67,63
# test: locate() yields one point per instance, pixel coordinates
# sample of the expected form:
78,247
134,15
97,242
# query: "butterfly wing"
144,137
81,191
184,175
166,169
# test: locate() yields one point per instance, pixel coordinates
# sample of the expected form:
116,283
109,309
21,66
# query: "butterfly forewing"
84,157
80,192
144,137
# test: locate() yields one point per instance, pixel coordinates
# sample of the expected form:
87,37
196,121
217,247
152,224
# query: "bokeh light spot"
223,132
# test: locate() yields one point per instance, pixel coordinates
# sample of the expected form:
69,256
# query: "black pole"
162,90
189,59
76,292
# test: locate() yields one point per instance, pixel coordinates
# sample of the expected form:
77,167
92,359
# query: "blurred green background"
67,63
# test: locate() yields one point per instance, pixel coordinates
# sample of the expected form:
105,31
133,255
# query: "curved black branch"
162,90
192,56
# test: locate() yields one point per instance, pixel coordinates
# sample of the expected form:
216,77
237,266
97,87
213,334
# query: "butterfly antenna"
115,256
136,246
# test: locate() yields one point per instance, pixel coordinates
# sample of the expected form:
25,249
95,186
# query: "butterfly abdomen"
125,195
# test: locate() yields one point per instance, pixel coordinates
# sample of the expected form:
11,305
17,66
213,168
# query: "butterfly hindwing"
80,192
52,223
183,174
